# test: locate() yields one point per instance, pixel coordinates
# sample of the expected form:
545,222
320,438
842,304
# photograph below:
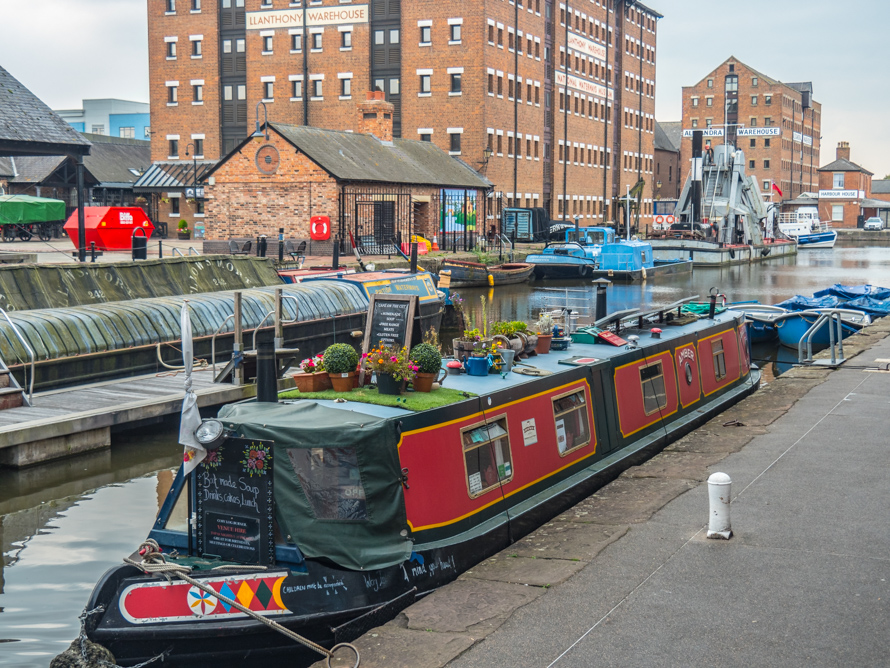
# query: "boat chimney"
266,376
696,175
601,307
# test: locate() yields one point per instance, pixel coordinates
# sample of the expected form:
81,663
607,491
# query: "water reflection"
61,526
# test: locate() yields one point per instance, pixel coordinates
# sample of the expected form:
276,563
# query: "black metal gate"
379,220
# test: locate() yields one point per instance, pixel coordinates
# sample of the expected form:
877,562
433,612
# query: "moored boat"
760,319
313,513
805,227
794,325
466,274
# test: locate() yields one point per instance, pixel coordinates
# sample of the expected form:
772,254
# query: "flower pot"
423,382
542,347
184,236
312,382
386,384
342,382
478,366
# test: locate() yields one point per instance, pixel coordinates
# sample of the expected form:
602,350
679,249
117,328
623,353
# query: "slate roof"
350,156
842,165
880,186
29,127
107,166
869,203
6,168
667,136
172,175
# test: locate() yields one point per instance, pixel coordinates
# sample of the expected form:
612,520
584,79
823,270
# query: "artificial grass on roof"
412,401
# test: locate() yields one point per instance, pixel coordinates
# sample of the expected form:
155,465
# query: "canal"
62,525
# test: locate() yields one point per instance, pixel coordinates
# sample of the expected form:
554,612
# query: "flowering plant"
313,364
471,335
390,360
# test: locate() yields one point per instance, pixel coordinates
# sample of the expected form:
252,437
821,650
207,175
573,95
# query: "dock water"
628,578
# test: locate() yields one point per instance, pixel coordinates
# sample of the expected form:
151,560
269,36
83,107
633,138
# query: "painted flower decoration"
256,460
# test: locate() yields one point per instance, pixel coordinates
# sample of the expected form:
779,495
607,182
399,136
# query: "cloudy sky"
67,50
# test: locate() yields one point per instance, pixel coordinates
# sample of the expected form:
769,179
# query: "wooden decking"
59,419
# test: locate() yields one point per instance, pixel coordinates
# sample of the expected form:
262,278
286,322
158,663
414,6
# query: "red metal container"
111,227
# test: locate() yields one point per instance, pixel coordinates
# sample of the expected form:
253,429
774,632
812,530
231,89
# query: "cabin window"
331,482
719,358
572,425
487,456
654,393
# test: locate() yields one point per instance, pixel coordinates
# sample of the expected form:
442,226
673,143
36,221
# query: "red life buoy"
659,220
320,228
670,220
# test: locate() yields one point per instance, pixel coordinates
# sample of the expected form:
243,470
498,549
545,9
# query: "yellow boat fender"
491,280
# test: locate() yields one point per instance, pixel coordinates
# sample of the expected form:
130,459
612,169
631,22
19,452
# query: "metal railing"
21,339
832,319
213,342
283,321
191,251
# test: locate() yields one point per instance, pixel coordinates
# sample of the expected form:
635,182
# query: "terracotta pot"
386,384
543,345
423,382
312,382
342,382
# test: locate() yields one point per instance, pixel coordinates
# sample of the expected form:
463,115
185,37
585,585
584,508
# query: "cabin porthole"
688,373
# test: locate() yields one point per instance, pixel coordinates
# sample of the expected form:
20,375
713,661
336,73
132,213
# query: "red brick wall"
667,171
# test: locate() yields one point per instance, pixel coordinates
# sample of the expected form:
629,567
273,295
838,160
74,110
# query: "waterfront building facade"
552,101
776,124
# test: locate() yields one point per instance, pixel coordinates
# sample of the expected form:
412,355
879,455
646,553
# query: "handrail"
832,317
213,342
30,354
177,251
272,312
193,251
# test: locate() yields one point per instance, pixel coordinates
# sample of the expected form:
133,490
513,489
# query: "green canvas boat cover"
53,333
41,286
336,480
23,209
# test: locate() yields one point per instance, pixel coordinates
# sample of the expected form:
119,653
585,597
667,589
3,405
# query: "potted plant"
428,360
392,366
474,338
314,377
340,360
183,230
544,329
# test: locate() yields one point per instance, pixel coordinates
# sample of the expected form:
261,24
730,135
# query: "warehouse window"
426,35
128,133
837,212
455,33
425,84
316,88
837,180
174,206
172,96
196,48
572,424
456,83
345,87
346,39
455,142
316,41
267,44
171,6
296,42
171,50
487,456
296,89
268,90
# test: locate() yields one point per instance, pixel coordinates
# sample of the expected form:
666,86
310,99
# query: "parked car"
874,223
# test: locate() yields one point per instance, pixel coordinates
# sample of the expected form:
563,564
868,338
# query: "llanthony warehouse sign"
293,18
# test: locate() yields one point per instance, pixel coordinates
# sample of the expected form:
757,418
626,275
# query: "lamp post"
658,190
265,132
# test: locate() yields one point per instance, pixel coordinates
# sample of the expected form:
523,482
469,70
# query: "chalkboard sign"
390,319
234,502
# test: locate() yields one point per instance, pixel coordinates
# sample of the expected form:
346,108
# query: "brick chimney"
843,150
374,116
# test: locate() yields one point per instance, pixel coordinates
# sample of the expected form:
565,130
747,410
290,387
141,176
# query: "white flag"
190,418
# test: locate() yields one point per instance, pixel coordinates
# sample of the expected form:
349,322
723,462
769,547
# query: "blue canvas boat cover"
877,308
801,303
846,292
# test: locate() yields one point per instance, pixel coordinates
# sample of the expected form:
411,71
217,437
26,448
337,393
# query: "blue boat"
793,326
595,252
761,320
576,256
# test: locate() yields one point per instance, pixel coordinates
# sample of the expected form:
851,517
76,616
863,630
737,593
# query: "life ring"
659,220
582,270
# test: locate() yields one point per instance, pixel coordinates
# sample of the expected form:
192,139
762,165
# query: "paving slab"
472,606
681,465
626,500
390,646
532,571
568,540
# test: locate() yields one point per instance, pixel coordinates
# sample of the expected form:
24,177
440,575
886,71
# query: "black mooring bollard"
92,251
336,262
280,244
414,257
266,371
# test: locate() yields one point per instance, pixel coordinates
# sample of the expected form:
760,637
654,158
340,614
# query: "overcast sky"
67,50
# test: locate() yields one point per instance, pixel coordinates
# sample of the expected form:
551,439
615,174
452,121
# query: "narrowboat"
465,274
329,517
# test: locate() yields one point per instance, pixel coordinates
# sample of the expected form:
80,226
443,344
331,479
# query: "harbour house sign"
321,16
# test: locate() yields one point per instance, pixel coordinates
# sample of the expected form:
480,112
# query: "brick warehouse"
777,125
463,75
368,184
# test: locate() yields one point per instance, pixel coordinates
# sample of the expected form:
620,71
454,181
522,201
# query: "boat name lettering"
687,354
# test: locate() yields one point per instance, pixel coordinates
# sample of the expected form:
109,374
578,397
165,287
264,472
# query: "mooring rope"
154,562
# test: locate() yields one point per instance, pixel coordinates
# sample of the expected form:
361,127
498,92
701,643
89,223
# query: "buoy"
491,280
719,495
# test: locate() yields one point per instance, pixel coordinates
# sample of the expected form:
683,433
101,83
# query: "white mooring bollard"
719,495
